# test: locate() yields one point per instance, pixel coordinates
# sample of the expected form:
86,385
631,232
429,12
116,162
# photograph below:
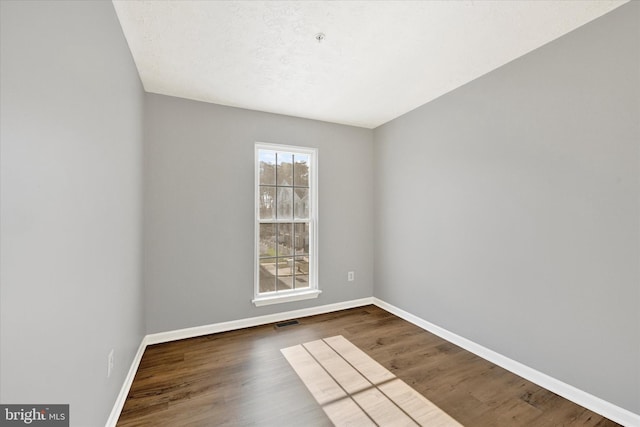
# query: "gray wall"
198,220
507,211
70,145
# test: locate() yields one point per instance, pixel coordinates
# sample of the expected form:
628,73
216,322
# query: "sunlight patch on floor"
353,389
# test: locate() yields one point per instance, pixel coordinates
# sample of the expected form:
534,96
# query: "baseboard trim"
232,325
582,398
197,331
124,390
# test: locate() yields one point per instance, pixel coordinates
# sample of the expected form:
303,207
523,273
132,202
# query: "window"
286,223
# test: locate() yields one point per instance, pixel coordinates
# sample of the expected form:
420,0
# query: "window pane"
301,170
301,270
301,203
285,239
267,240
285,169
301,239
285,274
285,203
267,202
285,213
268,274
267,167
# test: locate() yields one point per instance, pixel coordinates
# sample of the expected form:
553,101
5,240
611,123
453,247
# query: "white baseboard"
252,321
197,331
124,390
582,398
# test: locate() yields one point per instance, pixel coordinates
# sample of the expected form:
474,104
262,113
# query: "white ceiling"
379,59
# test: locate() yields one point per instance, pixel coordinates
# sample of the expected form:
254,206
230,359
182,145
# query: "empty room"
315,213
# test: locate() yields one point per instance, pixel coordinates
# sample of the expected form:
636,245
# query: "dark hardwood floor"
240,378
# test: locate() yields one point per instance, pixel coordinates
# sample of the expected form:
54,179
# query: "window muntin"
286,217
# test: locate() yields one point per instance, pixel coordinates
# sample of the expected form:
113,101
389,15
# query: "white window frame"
313,290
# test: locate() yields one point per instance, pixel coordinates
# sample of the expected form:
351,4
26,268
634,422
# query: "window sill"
277,299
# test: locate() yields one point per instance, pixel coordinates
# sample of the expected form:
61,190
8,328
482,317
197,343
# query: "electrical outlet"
110,363
351,276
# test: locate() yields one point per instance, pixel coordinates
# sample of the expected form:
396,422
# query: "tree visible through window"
285,219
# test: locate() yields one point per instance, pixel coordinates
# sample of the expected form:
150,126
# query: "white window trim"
313,290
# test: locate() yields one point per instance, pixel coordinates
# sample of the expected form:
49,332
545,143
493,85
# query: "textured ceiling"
379,59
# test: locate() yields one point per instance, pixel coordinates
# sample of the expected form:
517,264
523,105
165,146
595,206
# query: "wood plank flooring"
241,378
340,375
